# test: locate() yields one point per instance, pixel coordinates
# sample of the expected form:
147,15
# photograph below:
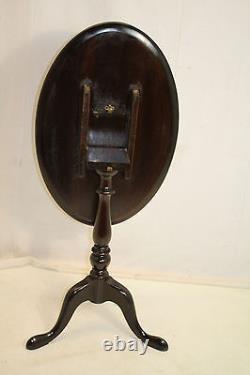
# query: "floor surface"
207,328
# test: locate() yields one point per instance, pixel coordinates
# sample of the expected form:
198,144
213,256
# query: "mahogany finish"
99,287
98,68
107,123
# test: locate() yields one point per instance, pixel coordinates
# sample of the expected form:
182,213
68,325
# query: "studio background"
196,228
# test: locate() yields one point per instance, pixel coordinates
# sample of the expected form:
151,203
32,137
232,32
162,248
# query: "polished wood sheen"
99,287
109,79
106,129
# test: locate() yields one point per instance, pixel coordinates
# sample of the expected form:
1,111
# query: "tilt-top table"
106,126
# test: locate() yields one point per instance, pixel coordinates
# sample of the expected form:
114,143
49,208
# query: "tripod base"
97,290
99,287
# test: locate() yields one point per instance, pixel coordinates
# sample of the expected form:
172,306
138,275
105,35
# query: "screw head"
109,108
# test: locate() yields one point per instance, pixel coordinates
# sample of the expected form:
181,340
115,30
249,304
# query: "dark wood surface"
114,57
99,287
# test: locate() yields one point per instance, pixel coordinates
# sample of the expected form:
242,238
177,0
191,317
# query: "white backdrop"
200,231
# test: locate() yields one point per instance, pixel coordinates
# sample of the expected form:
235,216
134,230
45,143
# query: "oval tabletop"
114,55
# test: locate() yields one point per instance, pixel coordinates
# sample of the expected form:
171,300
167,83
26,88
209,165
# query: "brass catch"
109,108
